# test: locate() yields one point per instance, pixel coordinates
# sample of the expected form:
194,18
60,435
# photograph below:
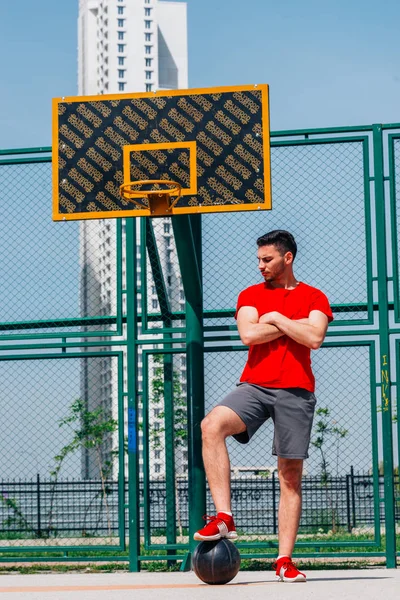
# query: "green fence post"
169,449
187,231
158,277
384,344
132,365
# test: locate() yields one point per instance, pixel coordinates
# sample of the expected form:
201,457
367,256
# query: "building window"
121,60
167,227
121,35
147,37
147,1
121,10
147,49
121,22
154,303
148,62
149,74
121,47
157,453
147,24
149,87
121,86
121,73
147,12
157,468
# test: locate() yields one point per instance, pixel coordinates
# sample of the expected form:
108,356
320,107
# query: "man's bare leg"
290,472
220,423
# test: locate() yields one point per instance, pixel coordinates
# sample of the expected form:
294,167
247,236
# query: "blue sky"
328,63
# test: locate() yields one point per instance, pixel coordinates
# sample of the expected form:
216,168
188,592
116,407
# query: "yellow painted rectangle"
191,146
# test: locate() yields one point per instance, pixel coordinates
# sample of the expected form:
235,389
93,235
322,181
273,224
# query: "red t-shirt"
282,363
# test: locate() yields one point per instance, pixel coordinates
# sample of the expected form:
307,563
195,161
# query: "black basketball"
217,562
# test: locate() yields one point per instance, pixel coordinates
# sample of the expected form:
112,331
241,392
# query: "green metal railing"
329,189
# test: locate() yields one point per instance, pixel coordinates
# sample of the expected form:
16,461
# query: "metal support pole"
353,497
384,343
133,401
39,526
187,231
348,510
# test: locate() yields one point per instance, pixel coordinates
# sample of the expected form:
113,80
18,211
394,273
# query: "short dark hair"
283,240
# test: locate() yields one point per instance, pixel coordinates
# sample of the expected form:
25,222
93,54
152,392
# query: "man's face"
272,264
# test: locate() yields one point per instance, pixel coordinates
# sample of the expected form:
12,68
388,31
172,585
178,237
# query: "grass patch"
103,561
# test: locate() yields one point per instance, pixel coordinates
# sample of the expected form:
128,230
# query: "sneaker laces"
211,518
290,566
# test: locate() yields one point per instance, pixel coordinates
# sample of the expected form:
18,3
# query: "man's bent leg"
290,472
220,423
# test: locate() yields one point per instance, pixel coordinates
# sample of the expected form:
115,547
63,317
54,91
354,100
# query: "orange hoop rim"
127,192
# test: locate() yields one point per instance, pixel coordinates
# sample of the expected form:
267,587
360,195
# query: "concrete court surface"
370,584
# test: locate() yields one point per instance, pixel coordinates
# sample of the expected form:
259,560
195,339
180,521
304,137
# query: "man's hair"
281,239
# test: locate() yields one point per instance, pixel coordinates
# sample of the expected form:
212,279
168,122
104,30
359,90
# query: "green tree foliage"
180,418
157,397
16,518
90,430
328,433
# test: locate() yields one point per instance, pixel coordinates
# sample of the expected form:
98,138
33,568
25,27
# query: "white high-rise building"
124,46
131,46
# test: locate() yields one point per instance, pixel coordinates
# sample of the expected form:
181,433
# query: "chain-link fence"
100,425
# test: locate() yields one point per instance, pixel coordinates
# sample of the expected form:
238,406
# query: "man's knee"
212,427
220,423
290,473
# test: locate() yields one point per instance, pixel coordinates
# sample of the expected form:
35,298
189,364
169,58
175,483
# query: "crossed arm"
253,329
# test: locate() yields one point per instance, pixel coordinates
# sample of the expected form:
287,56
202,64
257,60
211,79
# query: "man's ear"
288,258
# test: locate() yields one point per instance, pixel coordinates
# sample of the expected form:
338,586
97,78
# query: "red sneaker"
221,526
287,571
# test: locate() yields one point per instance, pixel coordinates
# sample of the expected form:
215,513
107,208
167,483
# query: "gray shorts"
291,409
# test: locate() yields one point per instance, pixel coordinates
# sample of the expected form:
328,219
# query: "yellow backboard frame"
191,144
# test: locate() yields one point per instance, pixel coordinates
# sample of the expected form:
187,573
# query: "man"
281,320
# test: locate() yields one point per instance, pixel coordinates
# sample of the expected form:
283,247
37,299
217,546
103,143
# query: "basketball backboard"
214,143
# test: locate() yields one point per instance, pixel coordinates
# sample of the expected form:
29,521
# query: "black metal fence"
45,509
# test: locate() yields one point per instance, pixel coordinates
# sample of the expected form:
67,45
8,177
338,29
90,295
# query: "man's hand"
309,332
252,330
270,318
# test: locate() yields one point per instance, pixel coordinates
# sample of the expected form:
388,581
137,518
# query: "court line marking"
109,588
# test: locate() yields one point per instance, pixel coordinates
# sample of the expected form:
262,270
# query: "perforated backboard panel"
213,142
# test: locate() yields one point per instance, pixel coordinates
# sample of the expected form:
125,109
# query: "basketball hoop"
160,201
